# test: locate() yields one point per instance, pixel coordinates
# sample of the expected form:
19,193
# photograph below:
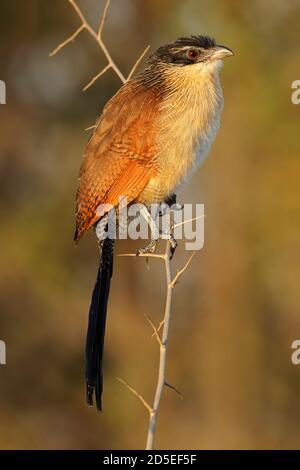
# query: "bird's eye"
193,53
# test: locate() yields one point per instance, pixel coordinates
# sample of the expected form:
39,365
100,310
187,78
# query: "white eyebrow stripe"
186,48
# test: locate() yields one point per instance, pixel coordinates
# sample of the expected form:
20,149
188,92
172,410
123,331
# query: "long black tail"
96,326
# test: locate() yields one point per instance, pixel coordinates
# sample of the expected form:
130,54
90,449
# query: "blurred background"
236,310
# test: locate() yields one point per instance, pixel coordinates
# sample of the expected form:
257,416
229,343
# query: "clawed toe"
150,248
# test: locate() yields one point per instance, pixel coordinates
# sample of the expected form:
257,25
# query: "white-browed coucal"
152,135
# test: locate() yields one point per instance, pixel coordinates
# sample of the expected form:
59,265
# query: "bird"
150,138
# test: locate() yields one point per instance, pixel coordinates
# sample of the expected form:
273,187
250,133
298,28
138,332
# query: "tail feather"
96,325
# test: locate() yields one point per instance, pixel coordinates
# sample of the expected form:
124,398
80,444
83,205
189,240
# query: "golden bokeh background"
235,312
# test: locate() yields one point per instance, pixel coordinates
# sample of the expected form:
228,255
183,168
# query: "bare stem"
97,36
163,354
163,340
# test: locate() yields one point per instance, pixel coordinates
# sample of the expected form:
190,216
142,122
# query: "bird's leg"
173,244
156,232
170,201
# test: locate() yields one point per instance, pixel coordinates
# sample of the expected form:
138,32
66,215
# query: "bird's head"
196,53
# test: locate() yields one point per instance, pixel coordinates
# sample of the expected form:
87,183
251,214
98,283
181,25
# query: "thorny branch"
162,340
97,36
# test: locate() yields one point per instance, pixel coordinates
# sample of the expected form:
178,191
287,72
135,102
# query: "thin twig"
79,13
97,36
185,222
137,63
67,41
91,127
142,255
159,327
179,273
99,40
155,331
103,18
138,395
108,66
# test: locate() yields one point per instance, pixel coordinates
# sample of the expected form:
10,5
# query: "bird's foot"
149,248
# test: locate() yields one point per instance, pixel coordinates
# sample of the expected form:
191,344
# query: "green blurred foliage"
230,346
